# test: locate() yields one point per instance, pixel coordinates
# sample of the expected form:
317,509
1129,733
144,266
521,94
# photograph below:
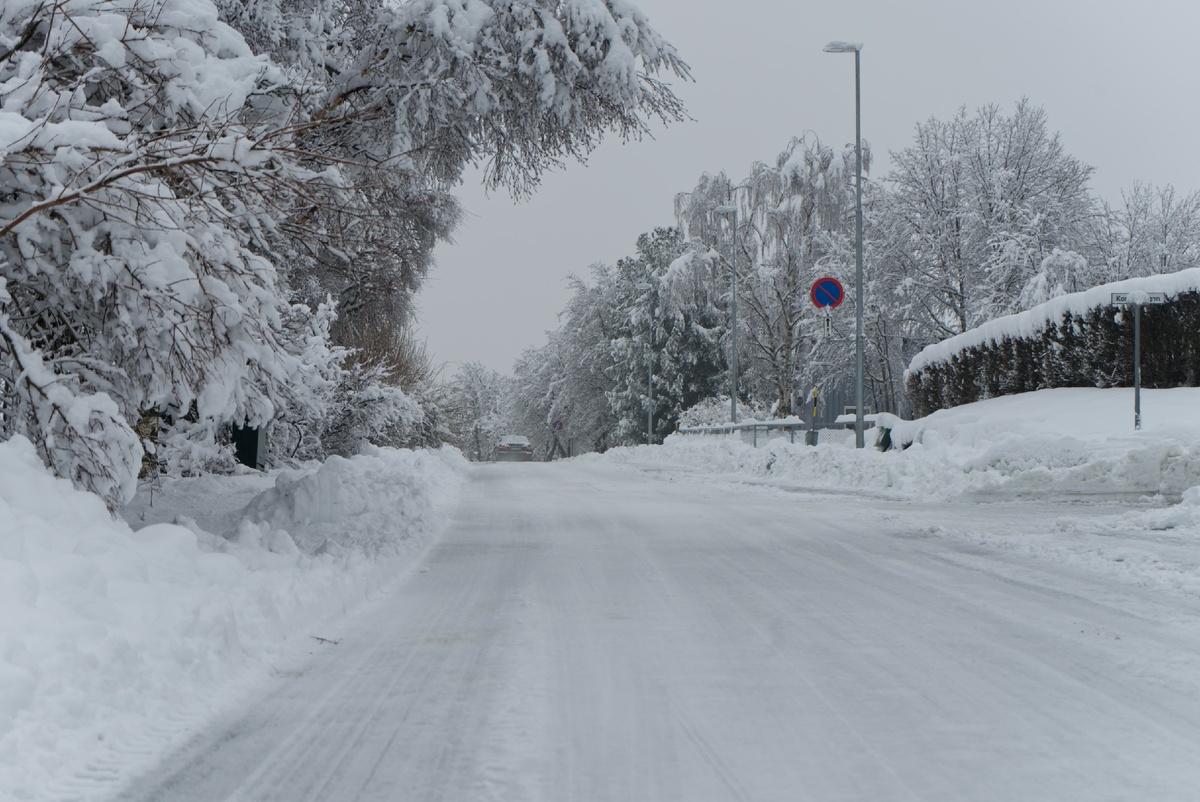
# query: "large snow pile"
104,629
1062,443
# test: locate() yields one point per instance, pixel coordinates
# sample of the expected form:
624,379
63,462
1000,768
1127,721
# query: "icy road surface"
589,633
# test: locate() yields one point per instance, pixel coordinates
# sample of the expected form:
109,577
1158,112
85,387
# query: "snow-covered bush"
714,411
1076,340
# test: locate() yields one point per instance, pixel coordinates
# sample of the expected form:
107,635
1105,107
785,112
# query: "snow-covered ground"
117,640
591,630
1137,490
1068,443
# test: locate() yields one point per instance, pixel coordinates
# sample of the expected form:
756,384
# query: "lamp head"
843,47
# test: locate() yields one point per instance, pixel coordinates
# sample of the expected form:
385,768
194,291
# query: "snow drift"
115,641
1062,443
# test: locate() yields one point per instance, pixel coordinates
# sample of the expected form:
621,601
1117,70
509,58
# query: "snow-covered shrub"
366,408
1076,340
715,412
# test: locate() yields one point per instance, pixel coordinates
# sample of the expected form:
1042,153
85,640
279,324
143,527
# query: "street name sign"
1126,298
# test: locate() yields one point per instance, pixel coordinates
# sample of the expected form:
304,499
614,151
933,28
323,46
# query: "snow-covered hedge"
1076,340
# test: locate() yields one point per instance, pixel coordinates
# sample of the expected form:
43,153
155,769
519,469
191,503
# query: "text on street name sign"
1126,298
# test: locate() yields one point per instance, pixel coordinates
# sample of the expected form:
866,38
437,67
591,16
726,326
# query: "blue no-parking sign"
827,293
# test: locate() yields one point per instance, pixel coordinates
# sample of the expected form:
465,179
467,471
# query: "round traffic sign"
827,292
557,426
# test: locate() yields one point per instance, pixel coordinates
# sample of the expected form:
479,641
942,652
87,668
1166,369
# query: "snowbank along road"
595,633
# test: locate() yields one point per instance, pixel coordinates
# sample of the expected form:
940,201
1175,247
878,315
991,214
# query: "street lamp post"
733,353
649,368
856,49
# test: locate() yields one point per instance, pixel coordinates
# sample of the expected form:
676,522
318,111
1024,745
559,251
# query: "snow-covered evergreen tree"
668,336
647,319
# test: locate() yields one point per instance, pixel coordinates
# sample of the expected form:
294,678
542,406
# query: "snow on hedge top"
1032,322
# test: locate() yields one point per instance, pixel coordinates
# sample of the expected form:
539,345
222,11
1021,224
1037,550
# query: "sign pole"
810,439
1137,366
1137,300
828,293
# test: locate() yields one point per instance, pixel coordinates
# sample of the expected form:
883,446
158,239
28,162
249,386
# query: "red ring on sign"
827,293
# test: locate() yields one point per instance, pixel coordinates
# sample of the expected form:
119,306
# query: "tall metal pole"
859,440
733,361
733,355
648,353
649,379
856,48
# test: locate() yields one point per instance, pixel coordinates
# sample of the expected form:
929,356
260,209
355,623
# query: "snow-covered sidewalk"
116,641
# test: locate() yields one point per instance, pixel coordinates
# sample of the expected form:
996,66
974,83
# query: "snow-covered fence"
1076,340
759,432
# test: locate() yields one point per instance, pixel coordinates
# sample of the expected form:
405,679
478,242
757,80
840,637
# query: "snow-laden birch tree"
795,223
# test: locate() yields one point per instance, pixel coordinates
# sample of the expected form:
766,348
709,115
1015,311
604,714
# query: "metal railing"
755,431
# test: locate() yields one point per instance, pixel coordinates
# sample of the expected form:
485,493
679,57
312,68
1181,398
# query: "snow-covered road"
588,632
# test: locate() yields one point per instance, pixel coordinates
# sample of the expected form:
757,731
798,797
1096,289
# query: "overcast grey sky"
1117,78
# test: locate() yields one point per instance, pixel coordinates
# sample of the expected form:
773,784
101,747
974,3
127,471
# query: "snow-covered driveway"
592,632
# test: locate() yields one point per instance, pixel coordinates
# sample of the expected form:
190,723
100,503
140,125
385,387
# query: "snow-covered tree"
984,199
404,96
1153,230
668,336
639,322
1061,272
567,379
795,224
144,149
178,204
476,409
